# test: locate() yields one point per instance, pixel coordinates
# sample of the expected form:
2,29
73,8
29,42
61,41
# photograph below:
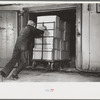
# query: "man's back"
24,37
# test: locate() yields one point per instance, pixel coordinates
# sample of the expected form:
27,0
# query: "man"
22,46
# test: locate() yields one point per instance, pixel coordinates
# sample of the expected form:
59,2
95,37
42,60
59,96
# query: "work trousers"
30,55
17,55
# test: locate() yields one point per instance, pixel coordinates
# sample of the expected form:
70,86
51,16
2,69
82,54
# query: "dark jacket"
27,36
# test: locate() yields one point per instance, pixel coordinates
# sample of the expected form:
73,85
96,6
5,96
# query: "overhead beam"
11,8
53,7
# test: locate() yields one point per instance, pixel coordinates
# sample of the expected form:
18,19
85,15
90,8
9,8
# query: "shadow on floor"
63,75
66,70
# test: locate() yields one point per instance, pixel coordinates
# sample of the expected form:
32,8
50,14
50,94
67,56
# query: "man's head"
32,23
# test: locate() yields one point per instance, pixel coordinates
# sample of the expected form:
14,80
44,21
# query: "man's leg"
30,52
8,68
22,65
30,57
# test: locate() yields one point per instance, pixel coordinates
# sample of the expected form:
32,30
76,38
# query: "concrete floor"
65,75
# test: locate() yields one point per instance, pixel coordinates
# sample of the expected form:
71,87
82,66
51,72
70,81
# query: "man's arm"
40,31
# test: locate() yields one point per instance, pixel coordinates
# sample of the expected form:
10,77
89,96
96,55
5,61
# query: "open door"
94,38
8,35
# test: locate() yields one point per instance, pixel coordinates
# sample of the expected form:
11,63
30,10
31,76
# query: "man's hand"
43,28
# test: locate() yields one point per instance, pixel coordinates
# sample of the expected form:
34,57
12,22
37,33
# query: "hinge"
89,7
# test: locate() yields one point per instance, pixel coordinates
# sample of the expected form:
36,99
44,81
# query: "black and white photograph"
49,42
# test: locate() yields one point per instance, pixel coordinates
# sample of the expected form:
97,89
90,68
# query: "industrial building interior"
65,15
68,73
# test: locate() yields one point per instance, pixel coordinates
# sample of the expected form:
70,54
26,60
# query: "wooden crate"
56,54
64,55
51,30
62,25
49,25
47,55
63,45
48,40
48,43
57,44
49,18
39,46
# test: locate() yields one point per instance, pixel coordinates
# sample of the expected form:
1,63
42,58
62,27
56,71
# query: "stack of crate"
54,39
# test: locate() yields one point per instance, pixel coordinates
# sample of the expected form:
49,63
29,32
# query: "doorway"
70,17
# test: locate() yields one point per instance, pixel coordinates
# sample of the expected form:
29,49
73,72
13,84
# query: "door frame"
79,37
78,7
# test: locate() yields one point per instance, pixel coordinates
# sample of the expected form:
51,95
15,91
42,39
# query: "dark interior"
65,15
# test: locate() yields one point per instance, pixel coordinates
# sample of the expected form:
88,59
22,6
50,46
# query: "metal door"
8,35
94,38
90,38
